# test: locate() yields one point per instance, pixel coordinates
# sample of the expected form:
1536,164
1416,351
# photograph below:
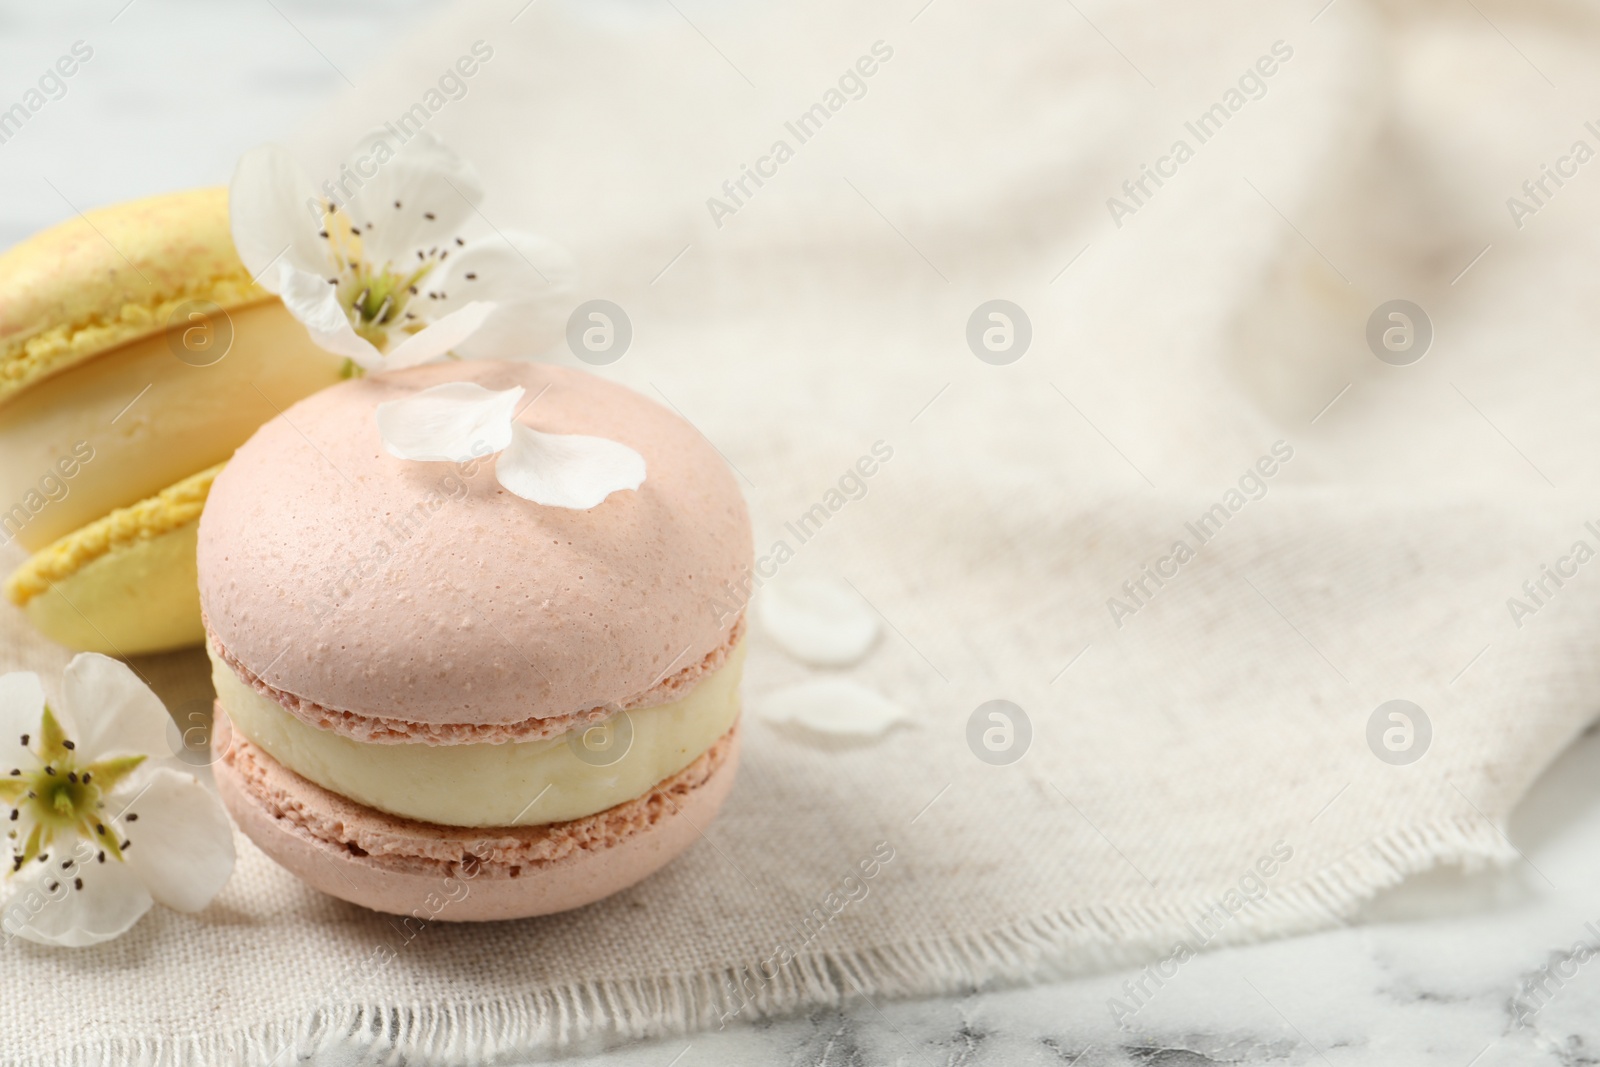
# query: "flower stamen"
56,798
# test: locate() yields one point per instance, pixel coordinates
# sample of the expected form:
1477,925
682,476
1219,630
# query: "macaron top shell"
426,592
112,276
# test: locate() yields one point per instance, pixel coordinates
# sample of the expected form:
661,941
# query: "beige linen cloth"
1199,768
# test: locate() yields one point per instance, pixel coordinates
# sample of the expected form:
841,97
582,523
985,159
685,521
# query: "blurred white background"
174,92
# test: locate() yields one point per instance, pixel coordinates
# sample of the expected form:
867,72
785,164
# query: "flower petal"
567,470
408,183
21,707
275,215
315,303
531,278
181,845
439,336
112,898
112,711
833,706
450,423
821,622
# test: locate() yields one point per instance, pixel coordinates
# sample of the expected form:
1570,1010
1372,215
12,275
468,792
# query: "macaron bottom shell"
455,874
126,583
134,599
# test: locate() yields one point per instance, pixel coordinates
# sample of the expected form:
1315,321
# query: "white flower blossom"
97,833
385,278
462,421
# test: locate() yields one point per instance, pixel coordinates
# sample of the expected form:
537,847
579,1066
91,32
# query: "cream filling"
126,424
526,783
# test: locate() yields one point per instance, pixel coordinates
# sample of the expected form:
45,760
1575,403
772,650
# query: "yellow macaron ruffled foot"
124,584
136,353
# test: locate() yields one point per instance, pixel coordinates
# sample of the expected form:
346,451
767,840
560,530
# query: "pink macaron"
436,697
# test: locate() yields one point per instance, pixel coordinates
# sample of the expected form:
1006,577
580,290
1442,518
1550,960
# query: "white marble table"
1434,973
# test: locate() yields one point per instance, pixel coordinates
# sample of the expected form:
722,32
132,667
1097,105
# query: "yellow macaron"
136,353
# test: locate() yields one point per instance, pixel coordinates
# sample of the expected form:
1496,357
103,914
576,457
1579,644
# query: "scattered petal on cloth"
835,706
821,622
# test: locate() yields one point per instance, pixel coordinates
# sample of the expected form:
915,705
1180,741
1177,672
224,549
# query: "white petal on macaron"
567,470
439,336
820,622
529,278
450,423
181,846
315,303
110,712
836,706
21,705
273,214
112,899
